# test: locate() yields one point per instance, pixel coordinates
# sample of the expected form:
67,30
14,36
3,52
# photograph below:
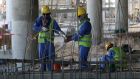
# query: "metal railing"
30,69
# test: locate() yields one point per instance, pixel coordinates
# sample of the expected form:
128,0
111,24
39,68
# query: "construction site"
115,23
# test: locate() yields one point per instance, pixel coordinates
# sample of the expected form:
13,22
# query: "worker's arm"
84,30
57,28
110,55
37,27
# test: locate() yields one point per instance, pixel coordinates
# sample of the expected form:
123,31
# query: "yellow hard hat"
108,45
45,9
81,11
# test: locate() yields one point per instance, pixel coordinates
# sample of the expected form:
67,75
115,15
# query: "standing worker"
114,54
45,26
83,36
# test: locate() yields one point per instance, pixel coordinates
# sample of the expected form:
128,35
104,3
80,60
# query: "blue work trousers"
103,59
103,65
46,52
83,56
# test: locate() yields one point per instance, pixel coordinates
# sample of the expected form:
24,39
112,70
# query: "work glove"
68,38
44,29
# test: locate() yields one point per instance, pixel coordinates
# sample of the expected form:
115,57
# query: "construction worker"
45,26
114,54
83,36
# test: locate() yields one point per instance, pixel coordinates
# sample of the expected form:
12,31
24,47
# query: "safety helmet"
45,9
108,45
81,11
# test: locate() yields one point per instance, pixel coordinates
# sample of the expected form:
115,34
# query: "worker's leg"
42,51
51,50
83,56
103,59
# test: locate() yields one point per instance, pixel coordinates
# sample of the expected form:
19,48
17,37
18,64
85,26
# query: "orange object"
57,67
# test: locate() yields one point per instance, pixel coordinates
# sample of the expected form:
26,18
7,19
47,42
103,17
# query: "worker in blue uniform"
83,36
45,26
114,54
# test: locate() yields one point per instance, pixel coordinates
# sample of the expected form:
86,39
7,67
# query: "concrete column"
122,15
8,13
94,10
21,13
34,15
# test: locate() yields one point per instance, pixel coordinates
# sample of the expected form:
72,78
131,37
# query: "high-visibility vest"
119,56
119,53
47,35
86,39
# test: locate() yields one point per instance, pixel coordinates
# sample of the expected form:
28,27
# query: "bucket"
57,67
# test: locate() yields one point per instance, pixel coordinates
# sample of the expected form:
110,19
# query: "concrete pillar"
122,15
8,12
21,14
94,10
35,14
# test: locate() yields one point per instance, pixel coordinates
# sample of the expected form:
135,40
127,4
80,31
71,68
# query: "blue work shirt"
85,29
37,27
110,55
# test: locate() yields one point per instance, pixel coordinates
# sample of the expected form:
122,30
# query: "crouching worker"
115,56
